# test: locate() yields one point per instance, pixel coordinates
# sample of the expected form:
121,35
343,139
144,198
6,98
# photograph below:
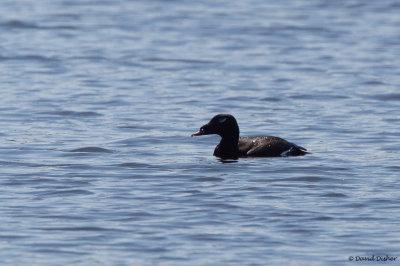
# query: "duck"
232,146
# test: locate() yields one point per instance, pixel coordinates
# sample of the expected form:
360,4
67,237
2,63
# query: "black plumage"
232,147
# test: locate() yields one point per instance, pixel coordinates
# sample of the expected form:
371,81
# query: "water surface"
98,100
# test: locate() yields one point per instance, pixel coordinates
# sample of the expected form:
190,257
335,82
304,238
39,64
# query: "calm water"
98,99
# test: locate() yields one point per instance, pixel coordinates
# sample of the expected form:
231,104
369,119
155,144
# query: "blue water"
98,100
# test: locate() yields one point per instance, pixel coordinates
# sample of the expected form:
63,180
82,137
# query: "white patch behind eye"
222,120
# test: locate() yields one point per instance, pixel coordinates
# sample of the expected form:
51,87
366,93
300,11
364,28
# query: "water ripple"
92,150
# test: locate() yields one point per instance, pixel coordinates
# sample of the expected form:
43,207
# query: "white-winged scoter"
233,147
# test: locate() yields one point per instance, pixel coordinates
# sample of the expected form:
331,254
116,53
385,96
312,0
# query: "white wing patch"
285,153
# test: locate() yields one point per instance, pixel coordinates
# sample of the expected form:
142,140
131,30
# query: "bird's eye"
222,120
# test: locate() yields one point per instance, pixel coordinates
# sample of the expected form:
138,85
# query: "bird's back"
268,146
